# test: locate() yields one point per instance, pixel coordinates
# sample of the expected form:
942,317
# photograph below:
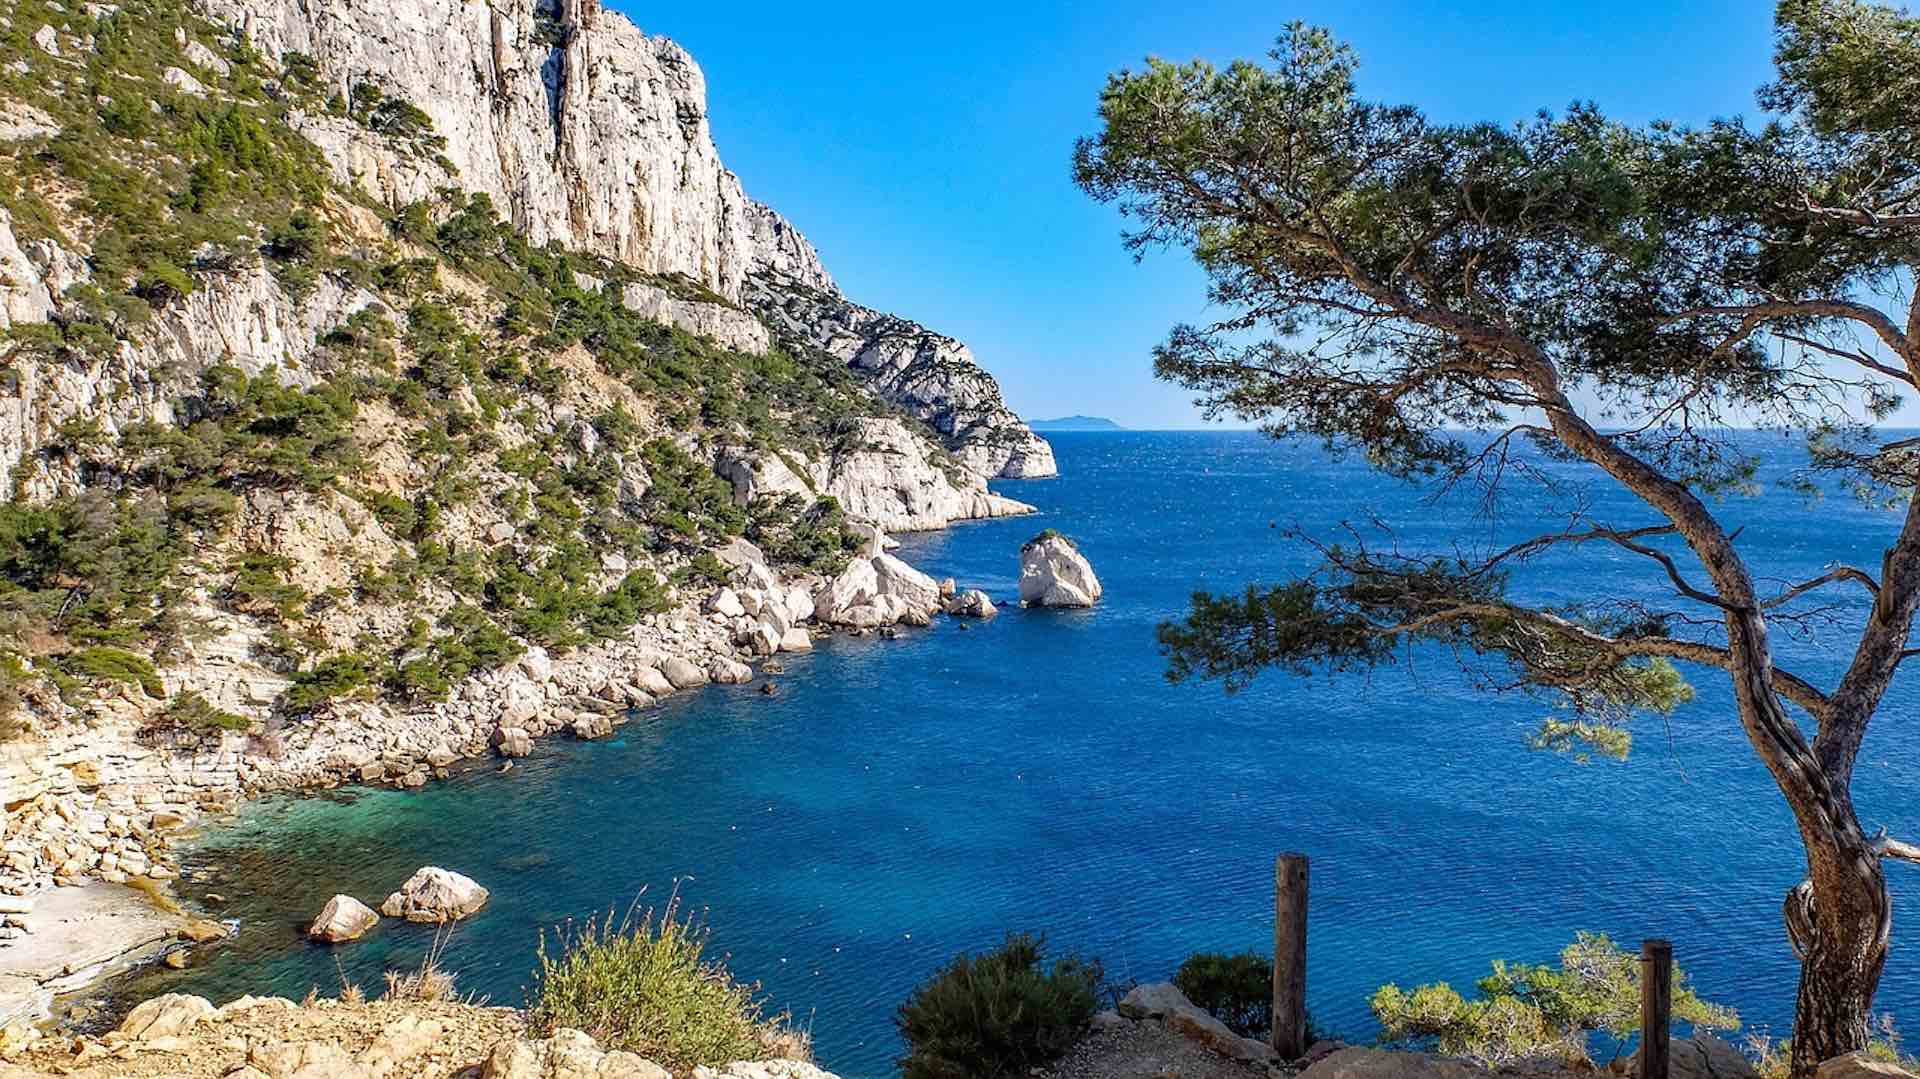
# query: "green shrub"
1235,989
644,986
259,587
115,665
193,712
1046,534
996,1014
1526,1011
335,676
816,538
162,282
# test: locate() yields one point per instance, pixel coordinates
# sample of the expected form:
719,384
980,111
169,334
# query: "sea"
899,801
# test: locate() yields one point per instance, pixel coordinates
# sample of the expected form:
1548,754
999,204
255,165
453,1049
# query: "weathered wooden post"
1290,956
1656,1006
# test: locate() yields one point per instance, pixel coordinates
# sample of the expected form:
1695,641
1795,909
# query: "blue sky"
925,150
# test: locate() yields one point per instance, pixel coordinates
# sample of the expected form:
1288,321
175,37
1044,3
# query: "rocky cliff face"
930,375
584,130
589,133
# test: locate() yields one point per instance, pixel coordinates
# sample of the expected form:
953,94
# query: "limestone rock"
1160,1000
20,121
1359,1062
183,82
1858,1066
433,894
569,1054
653,682
166,1016
1702,1056
315,1059
205,59
729,672
48,39
512,741
1053,573
397,1042
877,591
932,376
683,673
725,602
972,603
587,728
536,664
796,640
343,918
722,323
885,477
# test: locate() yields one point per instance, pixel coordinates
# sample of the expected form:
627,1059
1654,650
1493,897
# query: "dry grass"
641,984
432,983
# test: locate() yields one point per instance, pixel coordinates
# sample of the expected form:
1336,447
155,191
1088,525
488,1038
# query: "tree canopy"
1440,296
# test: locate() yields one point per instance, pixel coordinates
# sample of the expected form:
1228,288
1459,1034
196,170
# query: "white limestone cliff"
586,131
881,473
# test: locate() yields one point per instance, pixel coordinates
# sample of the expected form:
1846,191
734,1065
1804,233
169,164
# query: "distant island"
1076,423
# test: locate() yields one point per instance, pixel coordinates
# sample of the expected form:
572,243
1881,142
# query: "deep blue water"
900,801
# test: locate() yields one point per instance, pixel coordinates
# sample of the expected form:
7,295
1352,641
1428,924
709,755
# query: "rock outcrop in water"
433,894
1053,573
343,918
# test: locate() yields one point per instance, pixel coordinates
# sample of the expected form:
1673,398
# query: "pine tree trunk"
1842,931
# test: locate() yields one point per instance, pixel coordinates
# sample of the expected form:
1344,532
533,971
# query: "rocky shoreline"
98,806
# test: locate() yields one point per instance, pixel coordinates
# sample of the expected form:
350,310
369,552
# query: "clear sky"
925,149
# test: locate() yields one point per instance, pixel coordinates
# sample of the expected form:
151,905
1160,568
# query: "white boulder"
343,918
166,1016
1160,1000
972,603
653,682
683,673
183,82
1053,573
433,894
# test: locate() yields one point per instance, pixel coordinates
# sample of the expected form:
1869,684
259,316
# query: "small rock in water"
343,918
433,894
768,689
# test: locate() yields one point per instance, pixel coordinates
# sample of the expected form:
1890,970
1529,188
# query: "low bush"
1000,1013
1526,1011
335,676
193,712
643,985
1235,989
115,665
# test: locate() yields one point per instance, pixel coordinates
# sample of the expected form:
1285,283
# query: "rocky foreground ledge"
186,1037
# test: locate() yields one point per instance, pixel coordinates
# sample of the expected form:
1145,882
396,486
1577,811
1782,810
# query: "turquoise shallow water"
899,801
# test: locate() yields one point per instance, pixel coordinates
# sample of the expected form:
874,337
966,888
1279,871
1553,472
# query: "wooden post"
1290,956
1656,1007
